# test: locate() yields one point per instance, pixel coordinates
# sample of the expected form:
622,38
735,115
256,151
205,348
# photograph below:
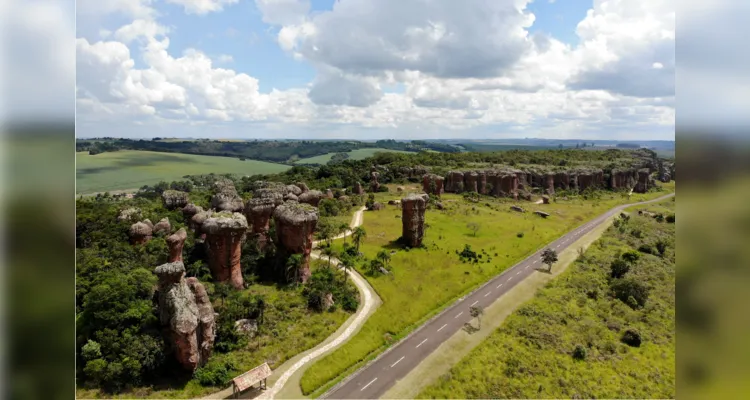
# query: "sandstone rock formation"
224,233
358,189
311,197
644,181
295,223
374,184
412,219
291,197
163,227
174,199
377,206
186,314
294,189
149,223
433,184
189,211
226,197
454,182
623,178
132,214
470,182
482,182
329,193
140,233
176,242
541,214
303,187
258,211
545,199
517,208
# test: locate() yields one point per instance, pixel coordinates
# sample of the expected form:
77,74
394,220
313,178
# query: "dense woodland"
265,150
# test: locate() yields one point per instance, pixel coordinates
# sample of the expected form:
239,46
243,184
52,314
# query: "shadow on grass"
469,328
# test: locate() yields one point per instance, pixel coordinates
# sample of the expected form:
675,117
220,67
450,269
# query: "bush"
214,373
625,288
580,352
631,256
646,248
618,268
519,234
670,218
632,338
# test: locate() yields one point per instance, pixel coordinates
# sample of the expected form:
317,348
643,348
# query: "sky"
364,69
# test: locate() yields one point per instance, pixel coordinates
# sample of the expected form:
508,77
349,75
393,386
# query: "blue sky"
379,69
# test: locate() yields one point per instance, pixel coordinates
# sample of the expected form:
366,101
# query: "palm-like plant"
329,253
358,235
384,256
343,228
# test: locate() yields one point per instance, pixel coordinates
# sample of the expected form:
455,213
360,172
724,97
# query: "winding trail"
368,305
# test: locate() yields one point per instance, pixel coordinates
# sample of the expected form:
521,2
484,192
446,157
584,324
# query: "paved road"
375,379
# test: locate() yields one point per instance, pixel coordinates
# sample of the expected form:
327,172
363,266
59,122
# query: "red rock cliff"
224,233
412,218
295,224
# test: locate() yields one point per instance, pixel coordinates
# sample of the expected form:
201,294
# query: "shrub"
519,234
631,256
214,373
632,338
580,352
670,218
646,248
618,268
625,288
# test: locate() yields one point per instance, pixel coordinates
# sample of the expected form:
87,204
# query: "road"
373,380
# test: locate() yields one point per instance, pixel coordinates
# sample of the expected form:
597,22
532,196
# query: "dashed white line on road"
441,328
459,314
487,294
527,267
421,343
472,304
498,286
536,261
518,273
368,384
509,278
399,360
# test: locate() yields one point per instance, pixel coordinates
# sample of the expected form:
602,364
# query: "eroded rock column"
226,197
224,232
412,219
140,233
176,242
295,224
174,199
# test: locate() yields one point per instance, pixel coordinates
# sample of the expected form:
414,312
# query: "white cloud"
224,59
201,7
283,12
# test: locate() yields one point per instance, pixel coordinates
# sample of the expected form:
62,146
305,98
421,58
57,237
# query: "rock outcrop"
545,199
186,314
132,214
412,219
644,181
374,184
176,241
377,206
329,193
163,227
623,178
358,189
174,199
433,184
470,182
259,210
454,182
311,197
189,211
140,233
303,188
224,233
295,224
226,197
294,189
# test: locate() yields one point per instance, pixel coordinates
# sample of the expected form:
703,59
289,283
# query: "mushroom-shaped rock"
174,199
303,187
412,219
149,223
163,227
329,193
175,242
433,184
226,197
377,206
224,232
198,219
517,208
295,223
183,313
311,197
140,233
206,332
129,214
258,211
190,210
545,199
374,184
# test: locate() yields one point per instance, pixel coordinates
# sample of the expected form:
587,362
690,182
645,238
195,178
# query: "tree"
347,263
222,290
384,256
549,257
474,227
619,268
343,228
292,267
329,253
477,312
358,234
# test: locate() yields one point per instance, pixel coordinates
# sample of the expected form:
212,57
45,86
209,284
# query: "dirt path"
285,382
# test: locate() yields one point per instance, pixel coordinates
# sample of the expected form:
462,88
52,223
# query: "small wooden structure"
258,374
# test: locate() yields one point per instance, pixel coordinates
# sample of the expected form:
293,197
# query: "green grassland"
425,280
282,337
358,154
130,169
531,354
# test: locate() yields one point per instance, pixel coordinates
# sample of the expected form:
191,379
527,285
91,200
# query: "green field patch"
358,154
425,280
131,169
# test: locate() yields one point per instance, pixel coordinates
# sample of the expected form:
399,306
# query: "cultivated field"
359,154
426,280
129,169
534,353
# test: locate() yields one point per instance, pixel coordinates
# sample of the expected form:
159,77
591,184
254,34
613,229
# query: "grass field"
426,280
129,169
531,354
283,337
359,154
